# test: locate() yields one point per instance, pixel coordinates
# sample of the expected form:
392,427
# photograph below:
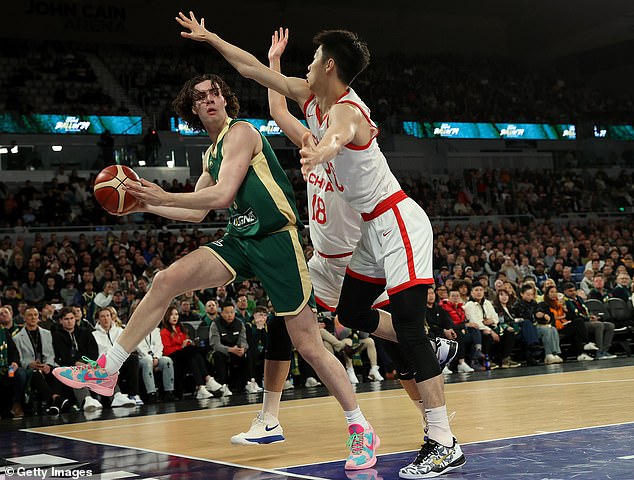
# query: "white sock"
271,403
115,358
438,424
355,416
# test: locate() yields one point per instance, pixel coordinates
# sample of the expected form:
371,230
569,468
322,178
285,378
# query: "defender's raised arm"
246,64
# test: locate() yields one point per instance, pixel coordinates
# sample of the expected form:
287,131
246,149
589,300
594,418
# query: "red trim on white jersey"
406,243
338,255
365,278
306,104
411,283
323,304
381,304
388,204
352,146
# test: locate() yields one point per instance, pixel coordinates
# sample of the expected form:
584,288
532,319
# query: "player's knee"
357,317
165,282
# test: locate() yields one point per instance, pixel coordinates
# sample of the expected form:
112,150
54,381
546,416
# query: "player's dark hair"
351,55
184,101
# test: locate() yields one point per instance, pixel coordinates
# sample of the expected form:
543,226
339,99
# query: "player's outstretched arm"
344,122
246,64
291,127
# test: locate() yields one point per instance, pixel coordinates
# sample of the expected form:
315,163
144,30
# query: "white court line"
196,414
493,440
207,460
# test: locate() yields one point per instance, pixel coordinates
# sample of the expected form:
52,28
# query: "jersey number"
319,210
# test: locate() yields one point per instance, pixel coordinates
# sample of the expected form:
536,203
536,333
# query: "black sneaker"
445,351
52,410
434,459
62,404
152,398
169,397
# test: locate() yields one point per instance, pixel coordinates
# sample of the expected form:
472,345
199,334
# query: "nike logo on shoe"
266,427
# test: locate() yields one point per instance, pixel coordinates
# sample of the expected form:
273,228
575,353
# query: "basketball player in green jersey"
241,173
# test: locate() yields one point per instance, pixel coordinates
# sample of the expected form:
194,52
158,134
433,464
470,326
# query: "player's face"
209,104
315,69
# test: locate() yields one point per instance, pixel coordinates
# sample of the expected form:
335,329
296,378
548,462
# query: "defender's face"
208,102
316,69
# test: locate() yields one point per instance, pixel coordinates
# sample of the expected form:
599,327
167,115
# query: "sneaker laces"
355,443
425,449
89,363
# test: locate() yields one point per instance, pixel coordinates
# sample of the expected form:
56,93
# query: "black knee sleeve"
402,365
355,304
278,342
408,317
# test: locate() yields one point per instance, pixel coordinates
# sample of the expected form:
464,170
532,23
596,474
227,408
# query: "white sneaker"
590,347
584,357
212,386
352,376
92,404
550,359
374,374
446,371
558,358
137,400
225,391
312,382
288,385
465,368
202,393
264,430
121,400
252,387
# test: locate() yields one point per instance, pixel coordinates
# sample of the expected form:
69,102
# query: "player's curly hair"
351,55
184,101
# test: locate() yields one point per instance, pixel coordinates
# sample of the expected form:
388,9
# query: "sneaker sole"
456,464
98,389
372,461
258,441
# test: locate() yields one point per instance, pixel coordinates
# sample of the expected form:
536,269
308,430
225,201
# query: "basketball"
109,190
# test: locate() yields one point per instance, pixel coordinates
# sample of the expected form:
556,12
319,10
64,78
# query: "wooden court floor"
315,428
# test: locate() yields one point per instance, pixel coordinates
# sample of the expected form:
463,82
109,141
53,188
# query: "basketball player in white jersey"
395,249
334,236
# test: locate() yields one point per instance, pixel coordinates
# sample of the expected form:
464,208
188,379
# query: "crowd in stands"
68,200
397,88
509,293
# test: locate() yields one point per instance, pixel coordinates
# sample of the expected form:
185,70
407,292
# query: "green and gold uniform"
263,238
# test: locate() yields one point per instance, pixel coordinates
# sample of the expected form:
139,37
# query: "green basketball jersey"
265,202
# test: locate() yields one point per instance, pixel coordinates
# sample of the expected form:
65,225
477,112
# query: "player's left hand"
310,154
147,192
197,30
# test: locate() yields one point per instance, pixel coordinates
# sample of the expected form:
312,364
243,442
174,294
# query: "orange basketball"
109,192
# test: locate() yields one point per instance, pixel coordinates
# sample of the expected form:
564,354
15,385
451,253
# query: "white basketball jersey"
360,174
334,226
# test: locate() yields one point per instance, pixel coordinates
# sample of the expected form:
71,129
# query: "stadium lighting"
56,148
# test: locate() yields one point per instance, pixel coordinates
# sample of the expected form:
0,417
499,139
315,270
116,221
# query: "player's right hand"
197,30
279,40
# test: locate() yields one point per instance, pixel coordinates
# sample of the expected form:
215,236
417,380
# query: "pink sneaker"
92,375
363,444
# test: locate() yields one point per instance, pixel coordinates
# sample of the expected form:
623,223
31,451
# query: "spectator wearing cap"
442,275
540,273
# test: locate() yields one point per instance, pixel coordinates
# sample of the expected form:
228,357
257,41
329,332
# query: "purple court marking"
584,454
45,450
